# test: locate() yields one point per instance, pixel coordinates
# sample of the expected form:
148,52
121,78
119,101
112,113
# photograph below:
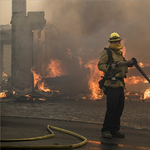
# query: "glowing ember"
42,99
94,77
147,94
141,64
2,95
28,96
55,69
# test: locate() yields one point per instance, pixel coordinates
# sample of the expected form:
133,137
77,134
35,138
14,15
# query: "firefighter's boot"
117,134
106,134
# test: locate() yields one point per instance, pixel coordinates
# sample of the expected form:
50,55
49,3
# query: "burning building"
61,59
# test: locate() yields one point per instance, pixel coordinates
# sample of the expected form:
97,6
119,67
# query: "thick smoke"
87,24
83,28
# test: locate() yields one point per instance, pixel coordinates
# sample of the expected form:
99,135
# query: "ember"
2,94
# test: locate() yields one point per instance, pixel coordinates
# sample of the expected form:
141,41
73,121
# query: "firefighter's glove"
130,63
134,60
113,66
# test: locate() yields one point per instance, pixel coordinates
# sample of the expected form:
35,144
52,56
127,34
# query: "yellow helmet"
114,37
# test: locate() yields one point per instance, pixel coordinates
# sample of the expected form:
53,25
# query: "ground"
24,118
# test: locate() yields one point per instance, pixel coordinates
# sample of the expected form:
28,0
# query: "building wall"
7,59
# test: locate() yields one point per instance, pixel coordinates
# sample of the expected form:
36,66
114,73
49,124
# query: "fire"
37,77
55,69
147,94
28,96
124,48
41,87
141,64
135,80
39,83
94,77
42,99
4,74
2,94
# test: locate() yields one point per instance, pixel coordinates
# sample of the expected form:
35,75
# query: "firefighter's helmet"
114,37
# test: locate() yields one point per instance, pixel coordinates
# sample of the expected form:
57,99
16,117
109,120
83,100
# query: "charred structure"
60,58
22,45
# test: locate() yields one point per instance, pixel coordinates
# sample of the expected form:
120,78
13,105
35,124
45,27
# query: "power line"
144,59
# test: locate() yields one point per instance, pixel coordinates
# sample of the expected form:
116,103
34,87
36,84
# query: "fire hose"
45,137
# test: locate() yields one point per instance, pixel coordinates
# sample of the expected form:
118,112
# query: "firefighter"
113,85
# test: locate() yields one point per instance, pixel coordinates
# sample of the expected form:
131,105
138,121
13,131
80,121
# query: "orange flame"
41,87
124,48
55,68
141,64
4,74
37,77
147,94
37,81
94,77
42,99
2,95
135,80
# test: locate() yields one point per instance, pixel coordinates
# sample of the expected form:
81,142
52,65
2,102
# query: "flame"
4,74
28,96
42,87
55,69
124,48
2,94
135,80
42,99
141,64
94,77
37,77
38,82
147,94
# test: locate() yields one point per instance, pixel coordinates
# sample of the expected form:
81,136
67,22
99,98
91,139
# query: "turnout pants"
115,106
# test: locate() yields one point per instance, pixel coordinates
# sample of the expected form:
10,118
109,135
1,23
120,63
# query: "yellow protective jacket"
103,66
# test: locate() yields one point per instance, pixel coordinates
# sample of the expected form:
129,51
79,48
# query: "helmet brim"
114,40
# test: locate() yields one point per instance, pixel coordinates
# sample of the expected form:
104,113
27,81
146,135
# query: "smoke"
82,28
88,24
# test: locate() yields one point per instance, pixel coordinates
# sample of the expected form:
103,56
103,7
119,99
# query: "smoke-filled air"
66,51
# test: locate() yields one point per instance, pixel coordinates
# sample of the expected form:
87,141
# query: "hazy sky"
92,21
6,9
